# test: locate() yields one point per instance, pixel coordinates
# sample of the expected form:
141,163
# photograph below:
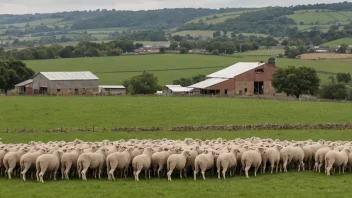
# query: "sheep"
337,158
68,161
47,162
178,162
142,162
12,159
190,160
273,156
120,160
2,155
319,158
28,161
252,158
159,159
204,162
292,154
226,160
94,160
308,156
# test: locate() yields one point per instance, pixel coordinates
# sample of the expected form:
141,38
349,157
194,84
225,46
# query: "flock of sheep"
164,157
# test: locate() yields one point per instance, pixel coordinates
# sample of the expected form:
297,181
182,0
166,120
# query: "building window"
259,70
58,90
226,91
245,90
76,91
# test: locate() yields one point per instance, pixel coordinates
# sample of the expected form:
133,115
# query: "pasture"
338,42
300,184
109,112
168,67
321,17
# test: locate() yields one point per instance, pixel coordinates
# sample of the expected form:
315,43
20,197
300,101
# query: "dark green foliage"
146,83
183,50
272,61
295,81
342,49
13,72
173,45
184,82
215,52
142,35
162,50
333,91
294,51
343,77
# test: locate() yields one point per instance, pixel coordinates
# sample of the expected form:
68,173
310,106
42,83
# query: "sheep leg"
195,174
246,170
24,173
159,170
219,173
203,174
137,174
224,172
181,174
255,171
67,170
169,174
149,173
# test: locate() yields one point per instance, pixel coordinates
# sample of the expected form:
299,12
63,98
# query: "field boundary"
249,127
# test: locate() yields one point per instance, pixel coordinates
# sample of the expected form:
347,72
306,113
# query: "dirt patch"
320,56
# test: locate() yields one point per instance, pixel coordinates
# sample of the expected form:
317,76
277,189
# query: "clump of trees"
185,82
295,81
294,51
13,72
146,83
343,77
337,90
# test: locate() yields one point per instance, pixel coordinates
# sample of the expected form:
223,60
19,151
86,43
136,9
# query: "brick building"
243,78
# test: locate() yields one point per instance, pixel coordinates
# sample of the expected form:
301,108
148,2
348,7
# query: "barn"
243,78
24,87
65,83
112,89
176,90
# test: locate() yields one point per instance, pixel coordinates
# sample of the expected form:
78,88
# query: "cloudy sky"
45,6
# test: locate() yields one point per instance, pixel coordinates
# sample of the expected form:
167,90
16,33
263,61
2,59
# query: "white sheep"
226,161
28,161
94,160
204,162
142,162
178,162
120,160
336,158
252,159
47,162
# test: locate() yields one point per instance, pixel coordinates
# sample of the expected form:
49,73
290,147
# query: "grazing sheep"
227,161
47,162
319,158
308,156
336,158
2,155
142,162
120,160
292,154
178,162
68,161
159,160
252,159
94,160
204,162
12,160
28,161
273,157
190,160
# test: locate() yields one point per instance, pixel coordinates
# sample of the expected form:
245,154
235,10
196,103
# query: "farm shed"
112,89
176,90
24,87
243,78
65,83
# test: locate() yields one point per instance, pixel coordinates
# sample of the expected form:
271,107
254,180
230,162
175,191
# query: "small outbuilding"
176,90
112,89
24,87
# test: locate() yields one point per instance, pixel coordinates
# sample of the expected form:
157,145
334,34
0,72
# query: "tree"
343,77
146,83
162,50
184,51
173,45
272,61
67,52
284,42
138,45
13,72
342,49
216,34
186,44
295,81
334,91
184,82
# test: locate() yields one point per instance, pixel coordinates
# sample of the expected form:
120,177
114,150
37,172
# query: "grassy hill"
347,41
218,18
321,17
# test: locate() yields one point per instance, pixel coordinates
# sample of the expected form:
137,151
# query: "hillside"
218,18
338,42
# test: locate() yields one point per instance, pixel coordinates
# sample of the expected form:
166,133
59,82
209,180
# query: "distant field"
113,70
54,112
219,17
39,22
207,33
325,17
347,41
318,56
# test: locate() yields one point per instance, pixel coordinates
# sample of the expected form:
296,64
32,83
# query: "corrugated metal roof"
86,75
178,88
24,83
112,87
208,83
235,70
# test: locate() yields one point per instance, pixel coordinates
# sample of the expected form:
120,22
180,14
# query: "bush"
184,51
162,50
334,91
215,52
349,94
146,83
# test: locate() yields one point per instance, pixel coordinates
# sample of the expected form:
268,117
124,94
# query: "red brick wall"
246,81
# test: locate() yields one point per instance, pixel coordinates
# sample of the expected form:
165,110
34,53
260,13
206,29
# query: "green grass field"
326,17
220,17
54,112
347,41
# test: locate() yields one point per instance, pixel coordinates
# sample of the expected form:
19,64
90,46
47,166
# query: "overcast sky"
48,6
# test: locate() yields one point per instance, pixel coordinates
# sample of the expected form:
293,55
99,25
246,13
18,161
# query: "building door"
258,87
43,90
